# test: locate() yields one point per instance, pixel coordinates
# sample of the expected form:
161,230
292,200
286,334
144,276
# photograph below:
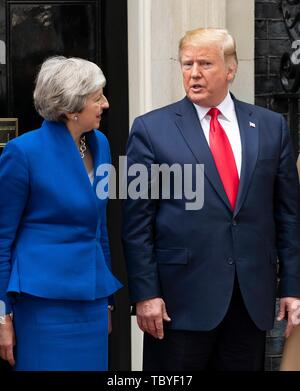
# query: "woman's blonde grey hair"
207,36
63,86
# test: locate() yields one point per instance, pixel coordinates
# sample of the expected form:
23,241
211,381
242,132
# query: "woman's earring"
76,118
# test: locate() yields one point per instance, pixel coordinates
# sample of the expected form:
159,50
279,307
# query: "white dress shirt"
228,120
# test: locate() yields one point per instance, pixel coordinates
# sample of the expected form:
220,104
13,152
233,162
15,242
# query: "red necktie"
221,150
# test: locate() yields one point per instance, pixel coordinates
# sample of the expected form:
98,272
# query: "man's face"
206,76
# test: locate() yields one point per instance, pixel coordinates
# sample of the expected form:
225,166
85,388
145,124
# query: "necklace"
82,147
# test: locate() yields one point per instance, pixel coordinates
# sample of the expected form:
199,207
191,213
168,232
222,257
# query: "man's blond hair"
206,36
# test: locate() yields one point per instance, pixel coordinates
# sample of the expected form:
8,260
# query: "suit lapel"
95,148
189,125
62,145
249,131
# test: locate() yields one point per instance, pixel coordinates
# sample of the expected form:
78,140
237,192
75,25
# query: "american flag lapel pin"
252,124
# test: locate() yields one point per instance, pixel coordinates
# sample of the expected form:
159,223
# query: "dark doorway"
95,30
37,31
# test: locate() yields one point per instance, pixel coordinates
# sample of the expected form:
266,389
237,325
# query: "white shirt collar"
226,107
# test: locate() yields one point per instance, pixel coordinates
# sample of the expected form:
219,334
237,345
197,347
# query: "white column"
140,101
154,30
139,57
240,18
2,53
170,19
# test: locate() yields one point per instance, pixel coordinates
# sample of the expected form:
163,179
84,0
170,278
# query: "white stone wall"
240,22
154,30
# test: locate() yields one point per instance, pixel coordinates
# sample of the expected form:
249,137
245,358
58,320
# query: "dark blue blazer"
190,258
53,235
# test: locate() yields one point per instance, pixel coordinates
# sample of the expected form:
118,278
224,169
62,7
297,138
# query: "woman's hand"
7,340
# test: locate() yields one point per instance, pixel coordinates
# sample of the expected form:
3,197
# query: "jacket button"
230,261
234,222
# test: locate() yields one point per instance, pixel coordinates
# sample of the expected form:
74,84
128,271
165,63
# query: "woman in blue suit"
55,275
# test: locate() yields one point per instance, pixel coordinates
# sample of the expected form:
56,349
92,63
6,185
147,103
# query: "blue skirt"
60,335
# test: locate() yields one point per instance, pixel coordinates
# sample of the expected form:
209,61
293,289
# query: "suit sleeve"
287,218
139,222
14,180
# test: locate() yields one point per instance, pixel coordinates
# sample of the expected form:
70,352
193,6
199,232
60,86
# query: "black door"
95,30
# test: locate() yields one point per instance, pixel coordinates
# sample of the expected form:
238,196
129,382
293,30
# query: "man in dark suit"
204,281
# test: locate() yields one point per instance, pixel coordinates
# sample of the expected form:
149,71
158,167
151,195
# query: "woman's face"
90,117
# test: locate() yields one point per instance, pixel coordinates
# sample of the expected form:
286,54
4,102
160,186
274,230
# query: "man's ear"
231,71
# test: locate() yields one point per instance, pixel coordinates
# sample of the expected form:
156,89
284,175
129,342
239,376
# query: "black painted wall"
271,41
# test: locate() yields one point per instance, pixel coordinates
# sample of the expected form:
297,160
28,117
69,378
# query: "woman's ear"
72,116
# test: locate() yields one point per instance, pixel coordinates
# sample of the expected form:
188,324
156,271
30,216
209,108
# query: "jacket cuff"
5,307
